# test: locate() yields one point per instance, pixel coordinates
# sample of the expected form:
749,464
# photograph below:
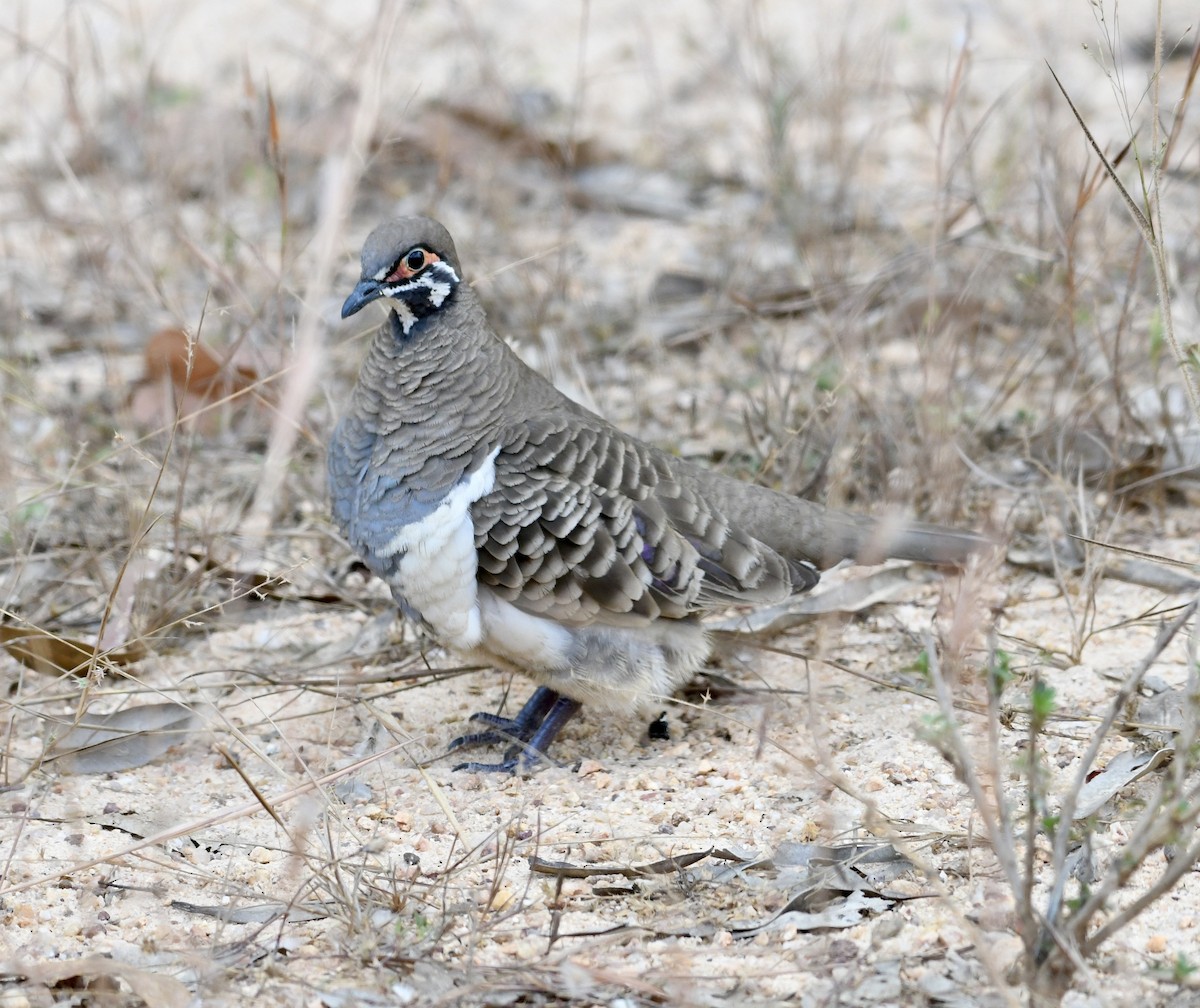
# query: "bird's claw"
519,759
533,729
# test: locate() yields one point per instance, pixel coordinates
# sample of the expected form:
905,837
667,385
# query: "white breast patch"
437,569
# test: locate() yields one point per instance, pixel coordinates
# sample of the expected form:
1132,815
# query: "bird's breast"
431,562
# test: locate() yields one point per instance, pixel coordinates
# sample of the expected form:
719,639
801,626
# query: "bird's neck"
448,376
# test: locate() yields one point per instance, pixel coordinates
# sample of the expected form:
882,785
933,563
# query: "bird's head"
411,261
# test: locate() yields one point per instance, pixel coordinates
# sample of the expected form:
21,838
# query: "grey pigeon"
525,532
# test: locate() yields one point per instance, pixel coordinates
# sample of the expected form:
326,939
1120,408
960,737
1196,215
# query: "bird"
525,532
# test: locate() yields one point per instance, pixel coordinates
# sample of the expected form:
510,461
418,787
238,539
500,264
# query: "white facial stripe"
441,279
439,290
405,315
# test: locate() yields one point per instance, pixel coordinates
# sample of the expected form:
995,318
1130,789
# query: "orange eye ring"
411,263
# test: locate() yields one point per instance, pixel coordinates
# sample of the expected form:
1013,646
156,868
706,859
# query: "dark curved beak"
366,292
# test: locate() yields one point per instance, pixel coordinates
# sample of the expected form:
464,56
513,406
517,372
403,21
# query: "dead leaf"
182,373
1123,769
834,892
849,597
256,913
62,977
53,655
128,738
192,367
847,866
841,913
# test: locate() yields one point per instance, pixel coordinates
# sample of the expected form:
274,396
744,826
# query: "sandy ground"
307,842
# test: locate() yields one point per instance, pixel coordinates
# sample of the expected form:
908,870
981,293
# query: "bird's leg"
515,729
535,727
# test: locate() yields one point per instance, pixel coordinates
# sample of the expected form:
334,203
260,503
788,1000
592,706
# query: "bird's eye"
415,260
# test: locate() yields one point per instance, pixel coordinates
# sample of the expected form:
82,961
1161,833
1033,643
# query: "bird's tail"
802,530
892,537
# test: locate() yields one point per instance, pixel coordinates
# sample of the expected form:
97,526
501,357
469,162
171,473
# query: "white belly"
620,669
533,644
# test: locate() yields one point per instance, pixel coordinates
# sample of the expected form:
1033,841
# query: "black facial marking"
420,293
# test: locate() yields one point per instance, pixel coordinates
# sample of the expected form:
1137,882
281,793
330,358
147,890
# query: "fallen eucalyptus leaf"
128,738
258,913
1122,770
842,913
849,597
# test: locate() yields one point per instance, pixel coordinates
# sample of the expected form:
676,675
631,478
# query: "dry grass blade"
202,822
341,173
1185,360
678,863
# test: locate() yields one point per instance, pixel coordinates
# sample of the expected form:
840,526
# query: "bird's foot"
515,729
519,759
533,729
